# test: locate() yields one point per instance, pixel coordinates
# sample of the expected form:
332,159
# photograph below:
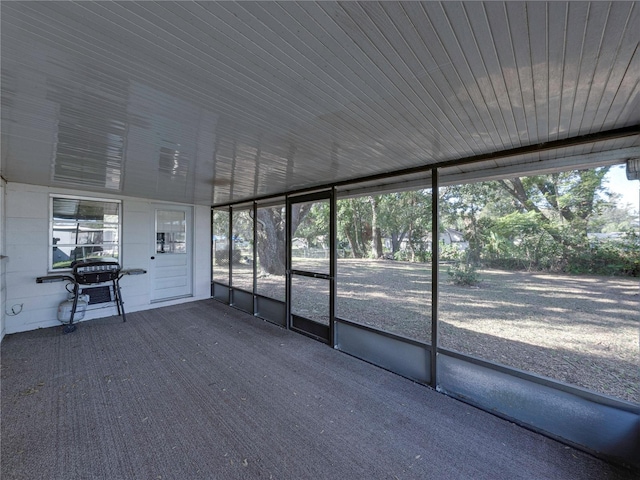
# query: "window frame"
52,197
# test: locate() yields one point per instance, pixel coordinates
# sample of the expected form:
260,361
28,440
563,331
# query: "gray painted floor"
203,391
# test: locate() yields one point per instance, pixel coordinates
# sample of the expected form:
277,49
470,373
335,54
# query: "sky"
616,180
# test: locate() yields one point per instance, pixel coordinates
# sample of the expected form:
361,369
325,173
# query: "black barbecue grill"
92,273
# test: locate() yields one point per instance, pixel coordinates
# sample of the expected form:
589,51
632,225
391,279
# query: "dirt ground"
581,330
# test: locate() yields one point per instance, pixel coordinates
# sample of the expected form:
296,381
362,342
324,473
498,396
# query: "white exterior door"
170,266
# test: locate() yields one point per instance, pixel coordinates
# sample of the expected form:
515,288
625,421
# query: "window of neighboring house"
83,228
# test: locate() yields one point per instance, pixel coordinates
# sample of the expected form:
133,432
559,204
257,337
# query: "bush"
608,257
421,256
451,253
464,274
401,256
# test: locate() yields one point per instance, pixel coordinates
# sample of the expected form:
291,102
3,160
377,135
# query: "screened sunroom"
446,192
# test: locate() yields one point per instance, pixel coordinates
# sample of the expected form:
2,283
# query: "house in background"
125,122
448,236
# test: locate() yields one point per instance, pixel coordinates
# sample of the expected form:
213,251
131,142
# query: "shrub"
464,274
401,255
450,253
608,257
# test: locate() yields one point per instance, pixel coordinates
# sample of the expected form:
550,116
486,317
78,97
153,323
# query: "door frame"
304,325
188,211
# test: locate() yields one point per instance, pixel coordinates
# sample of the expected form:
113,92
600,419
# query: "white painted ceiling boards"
214,102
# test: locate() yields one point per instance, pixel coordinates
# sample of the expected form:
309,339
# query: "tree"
220,227
463,206
353,220
271,233
537,222
405,215
376,233
611,217
566,199
418,205
543,222
365,221
311,222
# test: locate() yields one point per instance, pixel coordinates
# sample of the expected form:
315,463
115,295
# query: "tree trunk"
353,242
271,236
271,241
396,241
376,240
412,248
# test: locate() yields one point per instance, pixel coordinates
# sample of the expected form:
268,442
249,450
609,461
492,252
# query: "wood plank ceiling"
213,102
